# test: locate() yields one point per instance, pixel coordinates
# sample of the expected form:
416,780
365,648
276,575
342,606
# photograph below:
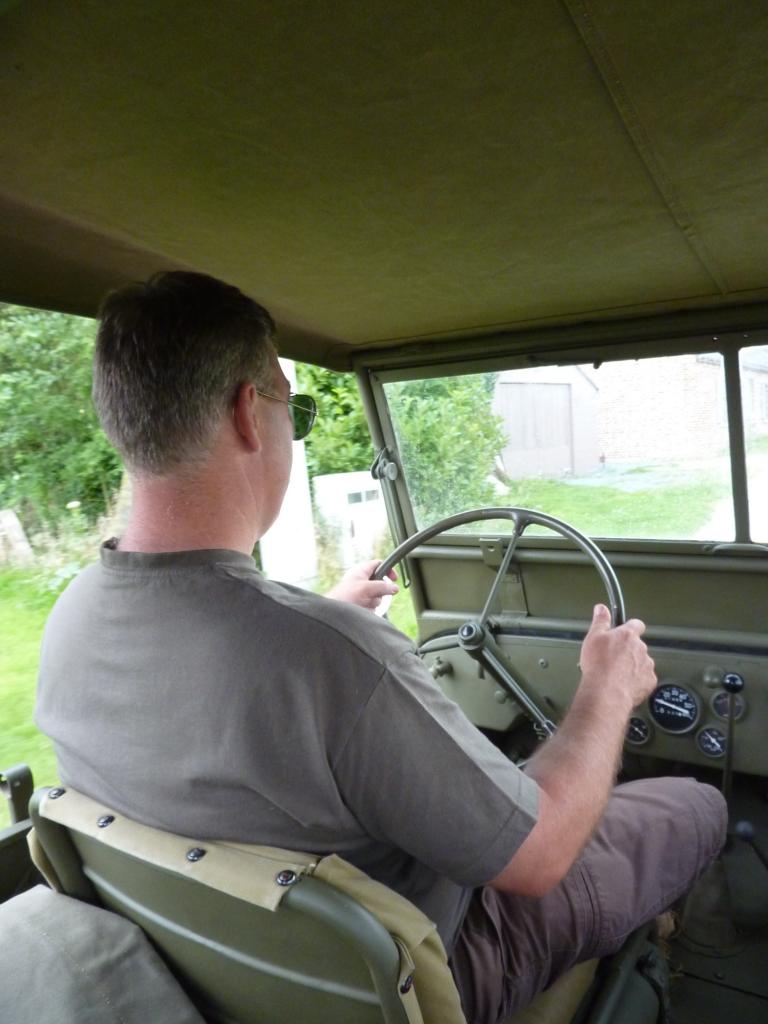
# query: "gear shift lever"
707,925
732,683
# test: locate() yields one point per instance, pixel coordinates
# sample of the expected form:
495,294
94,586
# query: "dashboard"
684,720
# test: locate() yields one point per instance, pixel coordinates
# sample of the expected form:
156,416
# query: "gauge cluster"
687,715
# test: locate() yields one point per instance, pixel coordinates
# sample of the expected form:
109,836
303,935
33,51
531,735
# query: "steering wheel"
476,636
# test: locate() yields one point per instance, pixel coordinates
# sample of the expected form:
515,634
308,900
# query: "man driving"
184,689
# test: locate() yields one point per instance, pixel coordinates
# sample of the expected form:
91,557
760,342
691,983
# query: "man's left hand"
357,587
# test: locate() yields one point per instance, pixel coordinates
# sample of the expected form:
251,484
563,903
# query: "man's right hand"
617,658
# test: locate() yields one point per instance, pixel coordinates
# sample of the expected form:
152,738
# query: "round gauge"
711,741
720,705
673,708
638,731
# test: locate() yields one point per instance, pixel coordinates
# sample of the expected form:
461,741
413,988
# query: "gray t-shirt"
190,693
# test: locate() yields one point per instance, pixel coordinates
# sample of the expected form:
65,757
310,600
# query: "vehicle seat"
67,962
260,934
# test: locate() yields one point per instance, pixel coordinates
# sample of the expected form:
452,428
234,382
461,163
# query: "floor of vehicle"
720,969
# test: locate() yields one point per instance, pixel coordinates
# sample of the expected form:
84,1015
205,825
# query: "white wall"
550,415
353,506
288,550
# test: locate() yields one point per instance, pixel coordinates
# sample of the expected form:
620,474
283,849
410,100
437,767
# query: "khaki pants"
655,838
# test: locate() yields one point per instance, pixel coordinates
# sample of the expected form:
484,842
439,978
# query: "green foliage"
448,436
339,441
449,439
52,450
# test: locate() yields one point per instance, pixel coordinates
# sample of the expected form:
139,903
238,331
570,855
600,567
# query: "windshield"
625,449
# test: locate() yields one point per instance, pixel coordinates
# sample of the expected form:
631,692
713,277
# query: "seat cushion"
558,1004
66,962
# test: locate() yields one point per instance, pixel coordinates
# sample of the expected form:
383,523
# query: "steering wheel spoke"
475,637
503,569
480,645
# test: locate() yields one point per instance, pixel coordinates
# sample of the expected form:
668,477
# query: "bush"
52,449
339,442
449,439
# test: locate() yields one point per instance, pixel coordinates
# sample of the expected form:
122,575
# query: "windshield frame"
373,376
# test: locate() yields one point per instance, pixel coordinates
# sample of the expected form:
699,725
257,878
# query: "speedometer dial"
673,708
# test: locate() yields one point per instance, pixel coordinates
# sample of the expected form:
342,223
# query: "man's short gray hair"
170,356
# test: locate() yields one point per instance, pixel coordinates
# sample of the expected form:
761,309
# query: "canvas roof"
391,172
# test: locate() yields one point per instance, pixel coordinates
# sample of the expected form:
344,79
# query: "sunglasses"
303,412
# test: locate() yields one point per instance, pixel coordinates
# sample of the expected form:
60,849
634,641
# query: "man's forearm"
575,771
576,768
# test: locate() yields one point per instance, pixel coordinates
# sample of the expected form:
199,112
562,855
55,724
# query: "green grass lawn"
675,510
24,607
401,613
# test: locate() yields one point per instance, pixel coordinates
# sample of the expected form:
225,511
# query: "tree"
339,442
52,449
449,439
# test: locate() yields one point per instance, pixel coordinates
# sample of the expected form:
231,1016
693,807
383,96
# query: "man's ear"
245,415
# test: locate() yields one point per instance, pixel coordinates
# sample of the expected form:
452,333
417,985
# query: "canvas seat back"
251,932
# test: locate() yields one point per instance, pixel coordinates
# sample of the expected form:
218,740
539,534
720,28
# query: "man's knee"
654,840
681,810
710,810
